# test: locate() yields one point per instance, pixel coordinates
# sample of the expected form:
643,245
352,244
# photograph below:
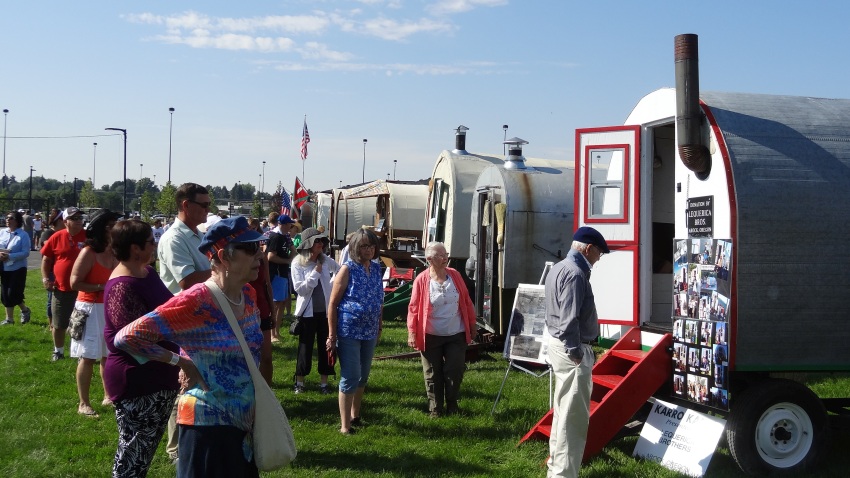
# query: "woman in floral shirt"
354,321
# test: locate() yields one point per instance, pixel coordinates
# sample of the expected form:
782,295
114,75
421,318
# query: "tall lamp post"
263,183
30,197
364,160
93,166
124,201
5,114
74,203
170,124
141,165
395,163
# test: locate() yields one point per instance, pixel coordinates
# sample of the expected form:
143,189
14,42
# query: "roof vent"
515,159
460,140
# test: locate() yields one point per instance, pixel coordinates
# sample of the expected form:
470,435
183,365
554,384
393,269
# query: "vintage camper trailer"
727,216
521,215
395,210
450,193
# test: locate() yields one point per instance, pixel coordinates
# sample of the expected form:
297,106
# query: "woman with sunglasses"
14,250
354,323
216,411
143,393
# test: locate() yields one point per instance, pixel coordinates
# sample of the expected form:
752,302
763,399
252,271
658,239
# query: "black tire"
777,426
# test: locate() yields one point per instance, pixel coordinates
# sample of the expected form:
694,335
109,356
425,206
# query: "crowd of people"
140,301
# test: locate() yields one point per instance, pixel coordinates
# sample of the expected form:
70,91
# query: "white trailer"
727,217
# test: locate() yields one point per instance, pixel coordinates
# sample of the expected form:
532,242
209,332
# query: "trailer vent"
515,159
460,140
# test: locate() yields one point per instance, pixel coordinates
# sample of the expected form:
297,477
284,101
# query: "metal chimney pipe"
460,140
694,154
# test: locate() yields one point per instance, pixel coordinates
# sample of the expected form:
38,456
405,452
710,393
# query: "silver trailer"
522,217
450,193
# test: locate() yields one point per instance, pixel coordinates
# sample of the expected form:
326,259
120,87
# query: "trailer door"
607,196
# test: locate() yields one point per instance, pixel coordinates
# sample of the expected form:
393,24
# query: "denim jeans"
355,362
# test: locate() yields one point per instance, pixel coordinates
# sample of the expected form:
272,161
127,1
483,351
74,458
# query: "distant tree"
277,198
148,205
257,209
87,196
166,204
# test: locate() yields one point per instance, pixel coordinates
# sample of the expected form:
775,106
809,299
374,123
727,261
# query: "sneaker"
57,356
325,389
7,322
299,388
25,316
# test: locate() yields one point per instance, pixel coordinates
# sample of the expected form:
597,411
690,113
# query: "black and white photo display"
701,300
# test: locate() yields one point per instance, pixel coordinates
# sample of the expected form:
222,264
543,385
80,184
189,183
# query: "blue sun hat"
231,230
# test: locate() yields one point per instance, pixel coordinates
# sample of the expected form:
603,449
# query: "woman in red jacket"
440,324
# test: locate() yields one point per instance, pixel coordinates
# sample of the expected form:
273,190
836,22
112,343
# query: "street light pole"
5,114
140,172
124,201
30,198
170,124
364,160
263,182
74,203
93,167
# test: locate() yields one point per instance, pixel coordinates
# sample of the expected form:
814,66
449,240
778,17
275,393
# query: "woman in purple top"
143,394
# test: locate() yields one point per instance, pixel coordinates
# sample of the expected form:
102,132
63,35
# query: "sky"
402,74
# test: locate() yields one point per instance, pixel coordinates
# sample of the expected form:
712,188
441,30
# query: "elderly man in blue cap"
573,325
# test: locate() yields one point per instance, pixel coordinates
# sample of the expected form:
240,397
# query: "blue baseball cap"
284,219
589,235
226,231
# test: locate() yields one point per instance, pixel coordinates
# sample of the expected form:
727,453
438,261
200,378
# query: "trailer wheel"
777,426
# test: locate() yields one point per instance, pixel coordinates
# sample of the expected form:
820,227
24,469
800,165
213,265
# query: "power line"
61,137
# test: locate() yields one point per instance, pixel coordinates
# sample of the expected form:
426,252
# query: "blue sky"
401,73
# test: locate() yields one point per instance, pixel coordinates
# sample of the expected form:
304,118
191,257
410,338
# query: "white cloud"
296,24
390,69
442,7
389,29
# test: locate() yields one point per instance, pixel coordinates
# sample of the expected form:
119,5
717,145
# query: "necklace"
239,303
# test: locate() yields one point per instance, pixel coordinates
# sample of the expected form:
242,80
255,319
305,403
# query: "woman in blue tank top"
354,323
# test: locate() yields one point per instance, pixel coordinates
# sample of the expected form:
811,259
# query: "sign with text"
679,438
700,213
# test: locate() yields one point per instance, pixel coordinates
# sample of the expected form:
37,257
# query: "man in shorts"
280,251
58,256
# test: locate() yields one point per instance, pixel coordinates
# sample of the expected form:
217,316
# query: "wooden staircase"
623,380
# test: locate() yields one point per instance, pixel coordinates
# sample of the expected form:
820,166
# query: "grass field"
43,436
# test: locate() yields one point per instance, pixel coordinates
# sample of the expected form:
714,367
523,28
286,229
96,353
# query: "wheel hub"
784,435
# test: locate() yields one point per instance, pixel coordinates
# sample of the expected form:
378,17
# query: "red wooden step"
633,355
610,381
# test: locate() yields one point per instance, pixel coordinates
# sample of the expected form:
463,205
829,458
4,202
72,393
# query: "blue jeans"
355,362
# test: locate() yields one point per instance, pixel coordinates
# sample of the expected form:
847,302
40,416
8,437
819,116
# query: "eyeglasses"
10,218
367,246
151,241
249,248
204,205
75,218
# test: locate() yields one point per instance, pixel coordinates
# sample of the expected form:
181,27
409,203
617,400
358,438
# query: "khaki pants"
443,364
571,412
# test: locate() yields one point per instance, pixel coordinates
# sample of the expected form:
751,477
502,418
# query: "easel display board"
526,340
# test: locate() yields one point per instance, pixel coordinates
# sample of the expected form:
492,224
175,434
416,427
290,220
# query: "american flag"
305,139
285,204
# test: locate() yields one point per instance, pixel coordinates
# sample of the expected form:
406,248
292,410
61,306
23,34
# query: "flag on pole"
285,204
305,139
300,196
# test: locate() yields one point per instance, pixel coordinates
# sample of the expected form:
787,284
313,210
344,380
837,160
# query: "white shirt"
445,311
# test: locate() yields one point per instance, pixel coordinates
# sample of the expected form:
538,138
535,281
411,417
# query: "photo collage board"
701,301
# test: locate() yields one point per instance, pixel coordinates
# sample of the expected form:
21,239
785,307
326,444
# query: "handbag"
296,326
274,443
77,324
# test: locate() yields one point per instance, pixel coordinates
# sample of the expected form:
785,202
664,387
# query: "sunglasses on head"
250,248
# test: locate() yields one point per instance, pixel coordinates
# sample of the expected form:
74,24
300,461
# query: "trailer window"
607,179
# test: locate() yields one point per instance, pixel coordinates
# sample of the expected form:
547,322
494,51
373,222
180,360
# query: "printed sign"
700,214
526,339
679,438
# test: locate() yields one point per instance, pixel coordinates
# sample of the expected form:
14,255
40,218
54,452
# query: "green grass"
42,435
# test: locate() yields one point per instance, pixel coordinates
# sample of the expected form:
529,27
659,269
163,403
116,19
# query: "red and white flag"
305,139
301,194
